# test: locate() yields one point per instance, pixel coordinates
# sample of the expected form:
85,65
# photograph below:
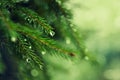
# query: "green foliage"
28,31
33,19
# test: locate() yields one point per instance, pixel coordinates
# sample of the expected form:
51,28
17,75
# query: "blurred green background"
99,22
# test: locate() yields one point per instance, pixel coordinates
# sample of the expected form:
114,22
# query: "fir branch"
11,27
78,42
73,35
35,35
28,31
8,27
25,48
43,41
19,1
34,19
6,4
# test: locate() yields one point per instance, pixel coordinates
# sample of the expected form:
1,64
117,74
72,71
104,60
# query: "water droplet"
41,67
43,52
30,47
34,73
52,33
28,60
25,39
86,58
68,40
13,39
28,19
59,2
75,30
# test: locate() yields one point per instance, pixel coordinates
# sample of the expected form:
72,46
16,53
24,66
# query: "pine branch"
43,41
77,41
32,18
73,34
26,30
10,26
25,49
